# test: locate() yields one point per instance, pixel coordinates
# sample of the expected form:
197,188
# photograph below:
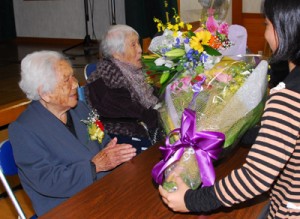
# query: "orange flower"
214,42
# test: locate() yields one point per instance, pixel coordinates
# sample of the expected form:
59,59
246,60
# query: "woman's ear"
118,56
44,96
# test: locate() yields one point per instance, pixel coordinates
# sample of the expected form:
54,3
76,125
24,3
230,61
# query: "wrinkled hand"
175,200
157,106
113,155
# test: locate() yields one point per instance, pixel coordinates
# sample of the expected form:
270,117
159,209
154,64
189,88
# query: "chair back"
89,69
7,161
80,92
9,167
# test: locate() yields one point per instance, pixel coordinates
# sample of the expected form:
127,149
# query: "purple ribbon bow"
207,145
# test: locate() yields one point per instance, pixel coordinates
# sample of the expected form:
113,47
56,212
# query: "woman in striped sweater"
273,163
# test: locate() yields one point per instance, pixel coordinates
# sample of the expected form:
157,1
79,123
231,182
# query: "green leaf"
190,34
172,77
175,53
164,77
199,69
211,51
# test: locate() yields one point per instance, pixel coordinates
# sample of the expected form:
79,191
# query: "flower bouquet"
232,85
224,102
213,98
179,50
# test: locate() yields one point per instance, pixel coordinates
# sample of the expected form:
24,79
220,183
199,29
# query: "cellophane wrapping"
231,101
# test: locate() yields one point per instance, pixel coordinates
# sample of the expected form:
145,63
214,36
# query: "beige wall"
32,18
252,6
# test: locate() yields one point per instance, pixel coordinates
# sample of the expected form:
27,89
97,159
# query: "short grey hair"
114,40
38,72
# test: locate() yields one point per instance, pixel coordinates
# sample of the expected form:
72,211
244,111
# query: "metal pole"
11,195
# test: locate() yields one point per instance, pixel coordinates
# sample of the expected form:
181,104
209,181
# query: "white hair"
114,40
38,72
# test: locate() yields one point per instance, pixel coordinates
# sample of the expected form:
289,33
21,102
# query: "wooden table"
9,112
129,192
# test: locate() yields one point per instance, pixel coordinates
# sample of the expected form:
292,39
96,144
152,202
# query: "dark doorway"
7,20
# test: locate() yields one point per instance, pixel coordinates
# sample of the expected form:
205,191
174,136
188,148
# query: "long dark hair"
285,17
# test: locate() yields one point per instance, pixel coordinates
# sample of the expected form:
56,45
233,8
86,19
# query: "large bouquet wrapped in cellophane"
222,103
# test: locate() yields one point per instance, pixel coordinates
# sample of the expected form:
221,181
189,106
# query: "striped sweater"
273,163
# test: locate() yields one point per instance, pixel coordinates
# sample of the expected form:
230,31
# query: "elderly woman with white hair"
52,149
117,89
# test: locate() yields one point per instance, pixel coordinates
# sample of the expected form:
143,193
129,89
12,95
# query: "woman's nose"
139,49
74,83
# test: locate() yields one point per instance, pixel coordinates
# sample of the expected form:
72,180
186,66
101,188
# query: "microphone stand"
86,43
113,12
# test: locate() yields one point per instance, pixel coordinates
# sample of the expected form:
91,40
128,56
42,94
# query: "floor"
11,54
7,211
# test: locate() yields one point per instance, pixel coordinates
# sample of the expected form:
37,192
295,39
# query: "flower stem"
212,3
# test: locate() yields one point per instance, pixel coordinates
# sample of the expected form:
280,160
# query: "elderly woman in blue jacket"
53,151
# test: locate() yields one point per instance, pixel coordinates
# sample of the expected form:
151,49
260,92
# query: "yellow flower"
201,38
181,24
169,26
95,126
156,20
159,27
189,26
177,18
95,132
175,27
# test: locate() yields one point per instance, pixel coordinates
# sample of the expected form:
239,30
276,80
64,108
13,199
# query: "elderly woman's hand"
113,155
175,200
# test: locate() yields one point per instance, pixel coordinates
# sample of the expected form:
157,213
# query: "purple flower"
177,44
164,50
189,54
203,58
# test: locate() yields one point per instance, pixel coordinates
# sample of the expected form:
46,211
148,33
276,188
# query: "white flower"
211,61
187,47
160,61
169,64
163,61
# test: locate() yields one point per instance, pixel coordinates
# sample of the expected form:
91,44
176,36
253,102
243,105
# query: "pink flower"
185,82
211,23
223,28
181,85
174,86
225,78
